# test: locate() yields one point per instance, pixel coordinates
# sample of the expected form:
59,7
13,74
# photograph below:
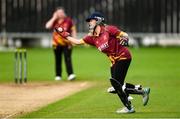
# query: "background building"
135,16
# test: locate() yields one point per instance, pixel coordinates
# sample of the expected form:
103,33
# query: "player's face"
60,13
92,24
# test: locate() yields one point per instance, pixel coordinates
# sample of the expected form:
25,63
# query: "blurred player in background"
113,42
60,44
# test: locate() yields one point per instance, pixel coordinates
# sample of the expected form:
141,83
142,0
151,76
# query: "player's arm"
66,35
74,31
75,41
50,23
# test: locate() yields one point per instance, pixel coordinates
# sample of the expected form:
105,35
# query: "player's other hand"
124,41
55,16
61,32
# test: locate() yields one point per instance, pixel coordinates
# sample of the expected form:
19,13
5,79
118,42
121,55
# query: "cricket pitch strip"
19,99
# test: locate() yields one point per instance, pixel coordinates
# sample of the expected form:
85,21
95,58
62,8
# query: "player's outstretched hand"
55,16
61,32
59,29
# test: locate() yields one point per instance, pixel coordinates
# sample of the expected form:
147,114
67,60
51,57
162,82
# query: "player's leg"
120,69
118,73
130,89
68,62
123,97
138,90
127,87
58,62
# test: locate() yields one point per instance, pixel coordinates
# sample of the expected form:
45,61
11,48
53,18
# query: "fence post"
3,22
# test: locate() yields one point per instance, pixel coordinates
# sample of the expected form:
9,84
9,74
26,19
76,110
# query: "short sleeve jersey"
107,43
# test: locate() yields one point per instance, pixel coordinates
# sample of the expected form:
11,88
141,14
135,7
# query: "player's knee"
115,81
116,84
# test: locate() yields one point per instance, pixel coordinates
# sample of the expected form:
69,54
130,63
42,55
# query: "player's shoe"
71,77
125,110
146,96
111,90
58,78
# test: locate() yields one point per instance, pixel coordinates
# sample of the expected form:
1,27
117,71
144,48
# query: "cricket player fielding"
113,42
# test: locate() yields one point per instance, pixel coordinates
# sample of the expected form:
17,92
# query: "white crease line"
8,116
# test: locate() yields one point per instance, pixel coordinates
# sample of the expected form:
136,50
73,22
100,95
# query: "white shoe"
58,78
111,90
71,77
125,110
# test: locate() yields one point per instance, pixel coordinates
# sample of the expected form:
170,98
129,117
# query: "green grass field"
158,68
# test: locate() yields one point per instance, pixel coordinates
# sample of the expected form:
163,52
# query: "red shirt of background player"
67,25
107,43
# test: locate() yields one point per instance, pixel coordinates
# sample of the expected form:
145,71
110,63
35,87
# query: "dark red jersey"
67,25
107,43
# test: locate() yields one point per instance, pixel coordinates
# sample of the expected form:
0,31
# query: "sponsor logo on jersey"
103,46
